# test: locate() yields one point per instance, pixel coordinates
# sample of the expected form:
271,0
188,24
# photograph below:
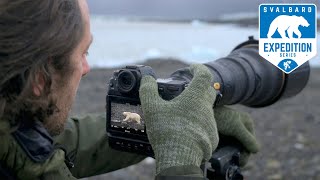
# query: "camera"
243,77
125,120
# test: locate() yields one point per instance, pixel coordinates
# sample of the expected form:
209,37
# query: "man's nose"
86,68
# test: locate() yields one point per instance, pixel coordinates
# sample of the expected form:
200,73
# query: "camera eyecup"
126,81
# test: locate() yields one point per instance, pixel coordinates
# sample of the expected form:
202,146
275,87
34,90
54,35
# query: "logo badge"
288,34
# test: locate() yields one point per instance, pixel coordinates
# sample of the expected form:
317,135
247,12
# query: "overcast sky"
178,9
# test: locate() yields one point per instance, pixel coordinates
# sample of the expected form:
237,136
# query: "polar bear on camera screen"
132,117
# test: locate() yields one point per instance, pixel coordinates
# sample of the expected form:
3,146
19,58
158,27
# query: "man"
43,48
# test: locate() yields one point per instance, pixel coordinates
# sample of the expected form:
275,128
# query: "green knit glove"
238,125
182,131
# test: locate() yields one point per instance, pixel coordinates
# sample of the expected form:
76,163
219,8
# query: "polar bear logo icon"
132,117
287,23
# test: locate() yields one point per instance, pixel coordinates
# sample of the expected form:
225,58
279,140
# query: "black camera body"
125,120
243,77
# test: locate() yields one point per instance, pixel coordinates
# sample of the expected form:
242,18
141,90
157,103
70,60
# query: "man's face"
65,88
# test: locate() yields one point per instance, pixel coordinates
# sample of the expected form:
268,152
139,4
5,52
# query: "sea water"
119,41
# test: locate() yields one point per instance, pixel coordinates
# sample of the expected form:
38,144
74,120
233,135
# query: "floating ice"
238,16
118,42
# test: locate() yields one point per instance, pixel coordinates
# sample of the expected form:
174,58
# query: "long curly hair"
36,36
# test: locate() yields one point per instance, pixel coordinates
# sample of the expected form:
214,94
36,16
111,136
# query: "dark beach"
288,131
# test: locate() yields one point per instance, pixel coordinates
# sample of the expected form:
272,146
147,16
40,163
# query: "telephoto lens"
247,78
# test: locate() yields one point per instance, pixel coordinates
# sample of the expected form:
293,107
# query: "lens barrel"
247,78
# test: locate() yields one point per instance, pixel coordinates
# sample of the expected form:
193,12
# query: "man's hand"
181,131
240,126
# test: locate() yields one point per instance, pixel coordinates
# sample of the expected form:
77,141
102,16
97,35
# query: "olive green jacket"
86,143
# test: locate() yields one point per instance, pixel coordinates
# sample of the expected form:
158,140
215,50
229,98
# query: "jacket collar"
35,140
29,159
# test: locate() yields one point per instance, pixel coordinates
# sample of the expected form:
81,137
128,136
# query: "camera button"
148,148
173,88
131,67
161,89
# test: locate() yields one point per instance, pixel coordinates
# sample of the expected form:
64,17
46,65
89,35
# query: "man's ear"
38,86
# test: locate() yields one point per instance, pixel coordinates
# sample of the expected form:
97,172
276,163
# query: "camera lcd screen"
127,117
